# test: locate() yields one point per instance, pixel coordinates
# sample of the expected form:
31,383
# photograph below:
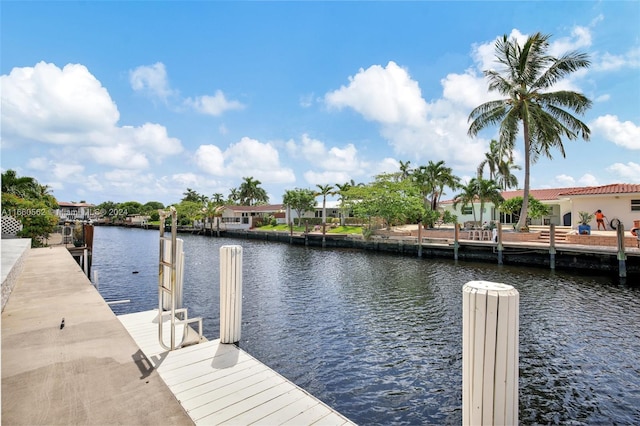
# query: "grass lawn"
337,230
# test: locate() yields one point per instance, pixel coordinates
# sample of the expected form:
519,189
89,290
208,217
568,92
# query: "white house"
75,211
618,201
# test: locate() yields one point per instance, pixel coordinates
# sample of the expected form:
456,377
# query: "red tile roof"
557,193
67,204
259,208
541,194
616,188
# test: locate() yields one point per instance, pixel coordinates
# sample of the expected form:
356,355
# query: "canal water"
378,336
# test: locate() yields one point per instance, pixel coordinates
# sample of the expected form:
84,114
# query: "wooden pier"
221,384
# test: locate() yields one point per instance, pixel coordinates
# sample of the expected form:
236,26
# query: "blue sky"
140,100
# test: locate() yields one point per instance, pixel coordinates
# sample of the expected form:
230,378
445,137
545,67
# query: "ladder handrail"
171,291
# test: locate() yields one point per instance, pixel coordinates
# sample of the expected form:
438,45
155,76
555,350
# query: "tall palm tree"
234,195
251,193
487,190
23,187
491,160
324,190
467,197
527,75
405,169
341,191
439,176
504,178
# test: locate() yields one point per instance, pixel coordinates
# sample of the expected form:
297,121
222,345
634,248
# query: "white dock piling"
230,293
489,353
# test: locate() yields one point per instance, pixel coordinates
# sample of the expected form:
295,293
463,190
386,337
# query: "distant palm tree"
500,164
432,179
342,195
23,187
251,193
487,190
405,170
491,160
217,198
527,75
467,197
504,178
234,195
324,190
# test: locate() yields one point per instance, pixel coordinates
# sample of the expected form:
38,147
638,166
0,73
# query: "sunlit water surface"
378,336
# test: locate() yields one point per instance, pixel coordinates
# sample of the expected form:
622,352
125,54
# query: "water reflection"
378,337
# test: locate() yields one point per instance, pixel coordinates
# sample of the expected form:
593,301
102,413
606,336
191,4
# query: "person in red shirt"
600,220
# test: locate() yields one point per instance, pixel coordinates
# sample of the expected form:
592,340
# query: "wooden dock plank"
221,384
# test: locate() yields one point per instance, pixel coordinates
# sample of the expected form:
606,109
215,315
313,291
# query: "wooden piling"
456,237
489,353
500,246
622,256
230,293
419,238
552,246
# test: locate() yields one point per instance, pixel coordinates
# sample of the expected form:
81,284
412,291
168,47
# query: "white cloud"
565,180
209,159
326,177
51,105
384,94
152,138
248,157
68,107
625,134
336,164
38,163
610,62
151,79
62,171
588,180
415,129
629,172
213,105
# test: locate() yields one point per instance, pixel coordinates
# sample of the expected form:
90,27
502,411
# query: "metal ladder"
170,291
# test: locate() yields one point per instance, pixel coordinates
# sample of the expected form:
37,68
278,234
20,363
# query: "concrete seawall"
14,251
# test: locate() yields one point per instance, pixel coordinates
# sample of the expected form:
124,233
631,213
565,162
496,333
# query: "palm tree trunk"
522,221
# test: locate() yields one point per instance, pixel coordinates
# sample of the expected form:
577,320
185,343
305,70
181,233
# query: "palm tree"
251,193
217,198
487,190
23,187
433,178
405,170
324,190
342,196
527,75
234,195
467,197
504,178
491,159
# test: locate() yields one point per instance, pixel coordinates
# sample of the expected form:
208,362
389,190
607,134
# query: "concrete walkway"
87,371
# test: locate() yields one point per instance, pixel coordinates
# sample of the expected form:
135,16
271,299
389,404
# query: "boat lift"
170,275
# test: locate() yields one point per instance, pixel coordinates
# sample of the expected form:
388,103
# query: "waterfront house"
69,212
235,217
618,201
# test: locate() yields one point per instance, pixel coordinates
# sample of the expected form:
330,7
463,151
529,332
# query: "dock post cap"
488,285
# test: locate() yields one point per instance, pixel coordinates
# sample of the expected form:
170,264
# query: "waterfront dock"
67,359
221,384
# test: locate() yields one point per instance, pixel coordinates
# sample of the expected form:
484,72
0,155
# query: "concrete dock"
67,359
85,371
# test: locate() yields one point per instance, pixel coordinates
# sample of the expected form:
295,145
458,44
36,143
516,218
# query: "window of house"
467,210
635,205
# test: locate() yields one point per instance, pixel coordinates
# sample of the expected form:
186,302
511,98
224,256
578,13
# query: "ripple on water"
378,337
